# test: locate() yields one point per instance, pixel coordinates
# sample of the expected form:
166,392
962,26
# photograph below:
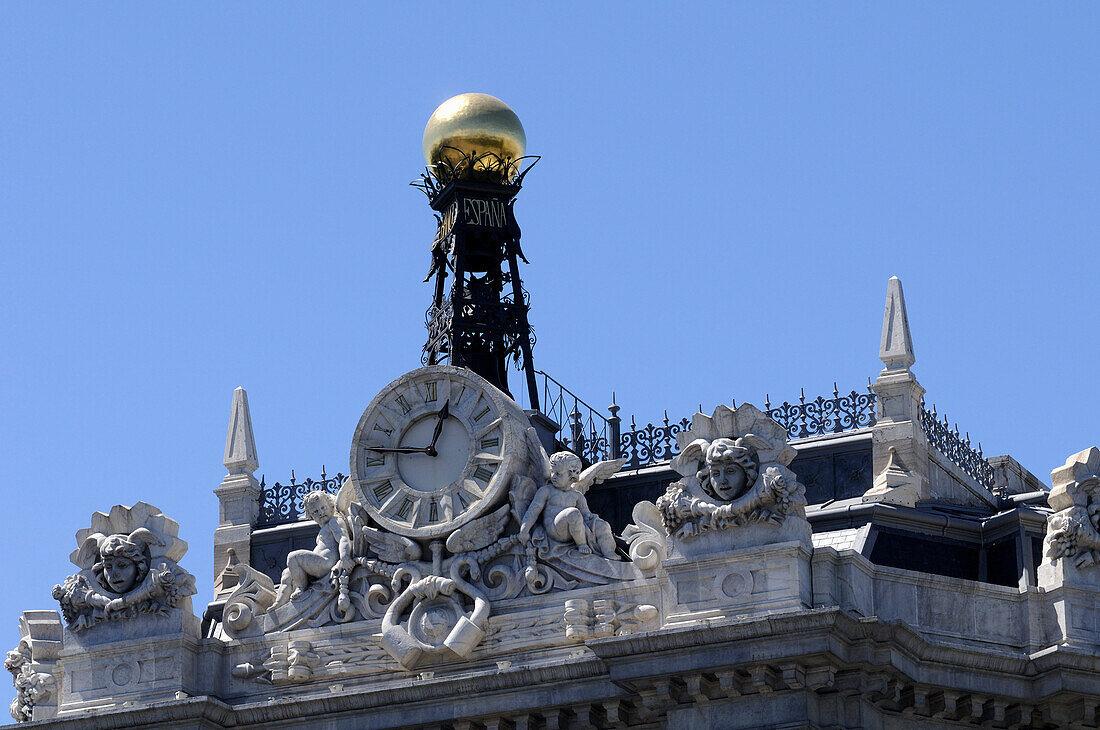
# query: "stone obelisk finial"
899,446
240,444
896,347
238,495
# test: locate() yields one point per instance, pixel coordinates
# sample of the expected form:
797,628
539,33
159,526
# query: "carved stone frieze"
129,561
601,617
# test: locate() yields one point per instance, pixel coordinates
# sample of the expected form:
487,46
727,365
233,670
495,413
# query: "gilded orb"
474,124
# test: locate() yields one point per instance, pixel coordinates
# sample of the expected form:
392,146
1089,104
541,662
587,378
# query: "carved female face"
727,479
119,573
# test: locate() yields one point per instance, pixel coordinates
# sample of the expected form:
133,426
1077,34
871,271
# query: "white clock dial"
434,449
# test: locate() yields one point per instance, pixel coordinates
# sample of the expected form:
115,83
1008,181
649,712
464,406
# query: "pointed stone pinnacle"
240,444
896,347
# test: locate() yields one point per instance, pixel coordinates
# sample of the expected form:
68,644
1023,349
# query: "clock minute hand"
444,412
396,450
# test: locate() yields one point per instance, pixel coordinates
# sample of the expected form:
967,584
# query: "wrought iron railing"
824,415
282,503
651,443
955,447
581,428
587,433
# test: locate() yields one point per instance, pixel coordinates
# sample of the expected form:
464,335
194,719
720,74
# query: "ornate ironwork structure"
480,320
282,503
583,430
948,442
824,415
649,444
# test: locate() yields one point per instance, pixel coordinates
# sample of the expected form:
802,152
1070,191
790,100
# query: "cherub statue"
564,509
332,550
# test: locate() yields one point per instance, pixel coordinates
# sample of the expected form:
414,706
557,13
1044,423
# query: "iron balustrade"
282,503
822,416
955,447
587,433
651,443
581,428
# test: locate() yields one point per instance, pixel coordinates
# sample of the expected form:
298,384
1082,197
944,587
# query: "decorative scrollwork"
484,167
651,443
282,503
824,415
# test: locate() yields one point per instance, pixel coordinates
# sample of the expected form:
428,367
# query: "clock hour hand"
443,413
396,450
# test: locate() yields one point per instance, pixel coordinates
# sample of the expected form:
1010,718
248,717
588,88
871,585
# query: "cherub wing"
596,473
479,534
686,463
89,550
145,536
388,547
539,458
346,497
520,496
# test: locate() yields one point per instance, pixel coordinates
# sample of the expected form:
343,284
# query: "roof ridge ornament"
896,347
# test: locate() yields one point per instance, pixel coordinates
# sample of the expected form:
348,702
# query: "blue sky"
195,197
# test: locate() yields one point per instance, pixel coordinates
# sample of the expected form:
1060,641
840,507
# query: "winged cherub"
563,508
333,546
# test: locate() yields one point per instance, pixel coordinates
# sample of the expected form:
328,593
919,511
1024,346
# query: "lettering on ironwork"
488,213
447,222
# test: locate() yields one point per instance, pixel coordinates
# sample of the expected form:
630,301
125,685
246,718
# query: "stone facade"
461,578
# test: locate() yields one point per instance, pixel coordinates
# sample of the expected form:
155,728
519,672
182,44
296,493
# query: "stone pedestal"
1073,615
750,581
142,660
899,446
238,510
1070,571
715,542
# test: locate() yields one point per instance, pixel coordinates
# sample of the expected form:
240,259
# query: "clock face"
436,448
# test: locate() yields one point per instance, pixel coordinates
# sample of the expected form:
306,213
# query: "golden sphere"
474,124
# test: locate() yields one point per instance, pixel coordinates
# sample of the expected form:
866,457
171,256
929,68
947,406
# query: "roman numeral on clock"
403,511
481,414
490,443
374,460
404,403
432,392
387,431
382,490
483,473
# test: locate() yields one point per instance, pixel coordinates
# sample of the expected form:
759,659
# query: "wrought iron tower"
474,148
